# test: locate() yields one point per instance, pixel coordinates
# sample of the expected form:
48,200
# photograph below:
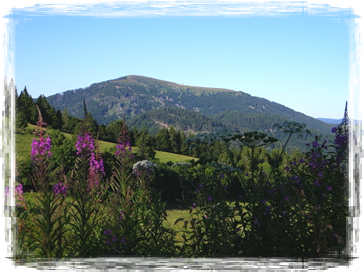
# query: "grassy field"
20,143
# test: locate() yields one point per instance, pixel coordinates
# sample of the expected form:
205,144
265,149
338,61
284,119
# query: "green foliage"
21,120
24,168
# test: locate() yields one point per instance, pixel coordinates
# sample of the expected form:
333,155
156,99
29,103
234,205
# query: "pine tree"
21,120
26,107
113,130
48,112
174,140
184,149
66,118
163,140
146,145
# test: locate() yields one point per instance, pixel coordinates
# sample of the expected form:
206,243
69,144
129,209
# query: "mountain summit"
135,95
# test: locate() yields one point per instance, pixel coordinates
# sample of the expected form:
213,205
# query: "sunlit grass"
20,143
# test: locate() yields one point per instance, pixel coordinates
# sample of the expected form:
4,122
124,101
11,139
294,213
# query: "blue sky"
298,60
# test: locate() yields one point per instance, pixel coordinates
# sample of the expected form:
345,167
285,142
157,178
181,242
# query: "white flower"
144,164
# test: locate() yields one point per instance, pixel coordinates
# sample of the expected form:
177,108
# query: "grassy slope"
20,144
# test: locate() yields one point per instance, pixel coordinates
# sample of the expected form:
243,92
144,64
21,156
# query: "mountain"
337,121
136,95
181,119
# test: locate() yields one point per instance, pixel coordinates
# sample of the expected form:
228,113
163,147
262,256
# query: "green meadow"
19,143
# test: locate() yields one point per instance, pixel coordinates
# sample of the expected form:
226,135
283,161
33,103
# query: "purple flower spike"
315,143
107,232
86,148
59,188
209,198
329,187
41,149
334,130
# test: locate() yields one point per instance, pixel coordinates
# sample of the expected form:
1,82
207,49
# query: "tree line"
166,140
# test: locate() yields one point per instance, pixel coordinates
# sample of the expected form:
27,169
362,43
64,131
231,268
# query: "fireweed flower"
107,232
315,143
17,194
123,148
59,188
85,146
41,149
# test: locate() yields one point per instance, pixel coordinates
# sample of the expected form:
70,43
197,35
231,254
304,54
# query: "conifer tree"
113,130
163,140
66,122
48,112
26,106
184,149
146,144
174,140
21,120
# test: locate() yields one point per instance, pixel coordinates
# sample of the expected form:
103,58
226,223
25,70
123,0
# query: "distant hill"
181,119
337,121
190,121
135,96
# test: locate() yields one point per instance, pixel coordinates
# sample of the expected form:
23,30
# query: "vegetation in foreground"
237,209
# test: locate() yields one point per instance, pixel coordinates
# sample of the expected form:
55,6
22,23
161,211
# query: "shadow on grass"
177,205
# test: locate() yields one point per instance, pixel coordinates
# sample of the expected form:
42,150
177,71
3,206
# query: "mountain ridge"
133,95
